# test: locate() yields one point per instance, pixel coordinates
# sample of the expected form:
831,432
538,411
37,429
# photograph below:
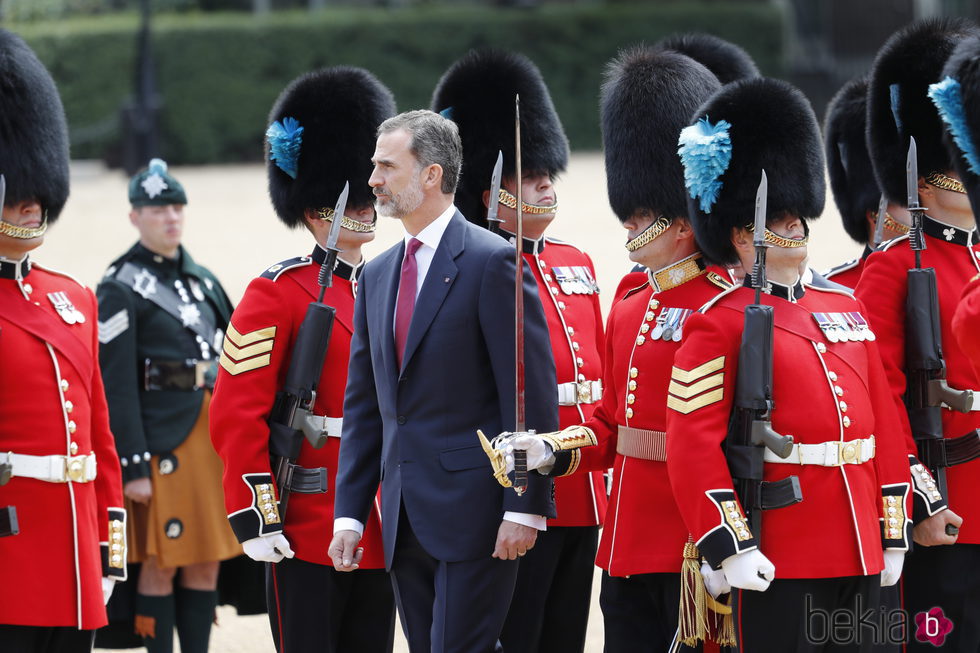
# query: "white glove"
268,548
749,571
539,453
894,561
107,586
714,581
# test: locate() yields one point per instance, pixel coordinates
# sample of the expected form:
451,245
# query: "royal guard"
63,536
161,320
726,61
944,248
321,137
853,182
647,94
550,607
824,511
961,86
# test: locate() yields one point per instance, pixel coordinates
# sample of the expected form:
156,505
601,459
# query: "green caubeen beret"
155,187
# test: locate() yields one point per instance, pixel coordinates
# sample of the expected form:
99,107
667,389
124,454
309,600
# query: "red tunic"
570,298
52,403
847,274
883,289
644,532
966,322
822,391
263,330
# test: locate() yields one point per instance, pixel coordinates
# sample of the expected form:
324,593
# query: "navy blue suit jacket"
414,429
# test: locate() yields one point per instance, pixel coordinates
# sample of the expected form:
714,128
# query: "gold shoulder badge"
696,388
719,280
248,351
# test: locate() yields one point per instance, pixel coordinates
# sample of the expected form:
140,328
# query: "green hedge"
220,73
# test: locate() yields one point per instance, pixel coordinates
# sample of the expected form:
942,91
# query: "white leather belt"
827,454
53,469
332,426
583,392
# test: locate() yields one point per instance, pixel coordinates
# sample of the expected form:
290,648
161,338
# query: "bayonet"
880,222
916,238
325,278
3,190
759,237
493,222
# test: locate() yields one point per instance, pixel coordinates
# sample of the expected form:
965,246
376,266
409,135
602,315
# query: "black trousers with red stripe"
314,608
807,615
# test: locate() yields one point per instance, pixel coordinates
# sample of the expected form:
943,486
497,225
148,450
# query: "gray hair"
434,140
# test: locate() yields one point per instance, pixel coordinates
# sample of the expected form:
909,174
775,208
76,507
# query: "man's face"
536,188
787,226
27,214
659,252
397,176
160,227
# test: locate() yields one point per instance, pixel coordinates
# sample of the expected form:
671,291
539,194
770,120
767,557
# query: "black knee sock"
155,622
195,614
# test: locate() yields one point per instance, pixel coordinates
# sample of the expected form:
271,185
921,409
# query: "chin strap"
327,214
24,233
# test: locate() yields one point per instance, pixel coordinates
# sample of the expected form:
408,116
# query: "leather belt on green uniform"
641,443
188,374
582,392
827,454
53,469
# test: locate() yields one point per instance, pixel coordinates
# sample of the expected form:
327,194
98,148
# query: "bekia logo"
932,627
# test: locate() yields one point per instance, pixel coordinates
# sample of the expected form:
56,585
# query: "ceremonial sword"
520,422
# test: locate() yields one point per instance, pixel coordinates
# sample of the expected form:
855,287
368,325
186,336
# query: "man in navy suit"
432,360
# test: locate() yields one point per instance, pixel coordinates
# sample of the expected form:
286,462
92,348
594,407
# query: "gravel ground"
230,227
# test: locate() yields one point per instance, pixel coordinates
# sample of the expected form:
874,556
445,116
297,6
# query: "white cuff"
347,524
534,521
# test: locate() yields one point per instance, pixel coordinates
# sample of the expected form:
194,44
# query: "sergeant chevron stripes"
696,388
112,327
248,351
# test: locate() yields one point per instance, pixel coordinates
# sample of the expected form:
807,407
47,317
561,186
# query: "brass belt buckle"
75,469
849,452
584,389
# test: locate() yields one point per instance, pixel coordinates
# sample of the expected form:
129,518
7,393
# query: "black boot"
195,614
154,622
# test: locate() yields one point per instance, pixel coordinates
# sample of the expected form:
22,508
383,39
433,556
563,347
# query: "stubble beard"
401,204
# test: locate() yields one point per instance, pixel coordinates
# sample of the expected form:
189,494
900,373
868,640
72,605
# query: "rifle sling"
947,452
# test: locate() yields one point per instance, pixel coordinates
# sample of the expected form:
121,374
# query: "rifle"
8,514
292,419
926,389
750,429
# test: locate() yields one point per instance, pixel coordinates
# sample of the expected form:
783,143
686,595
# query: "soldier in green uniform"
162,319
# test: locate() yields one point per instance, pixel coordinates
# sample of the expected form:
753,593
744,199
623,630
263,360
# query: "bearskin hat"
33,130
747,127
727,61
852,178
899,107
646,99
477,93
957,97
322,134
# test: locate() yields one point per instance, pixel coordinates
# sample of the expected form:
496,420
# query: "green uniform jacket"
133,329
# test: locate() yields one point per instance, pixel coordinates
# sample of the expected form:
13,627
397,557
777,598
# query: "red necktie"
406,297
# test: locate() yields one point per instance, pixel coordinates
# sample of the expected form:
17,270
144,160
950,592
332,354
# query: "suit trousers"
449,607
317,609
550,609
